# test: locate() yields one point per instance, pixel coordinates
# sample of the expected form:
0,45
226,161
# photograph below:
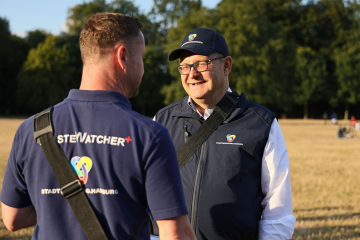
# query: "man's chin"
198,96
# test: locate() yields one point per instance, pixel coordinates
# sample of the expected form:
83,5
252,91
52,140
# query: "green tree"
326,26
348,73
347,59
44,78
13,52
74,63
263,58
33,38
78,15
169,11
5,41
123,6
310,77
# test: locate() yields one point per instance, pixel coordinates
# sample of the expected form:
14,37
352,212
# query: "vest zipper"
186,133
196,187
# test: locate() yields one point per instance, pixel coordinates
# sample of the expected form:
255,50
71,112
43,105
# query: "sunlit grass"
325,180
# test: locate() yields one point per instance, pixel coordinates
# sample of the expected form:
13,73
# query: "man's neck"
99,78
201,104
201,108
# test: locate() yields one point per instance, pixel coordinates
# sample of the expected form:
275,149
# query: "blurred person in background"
334,118
352,121
237,184
130,161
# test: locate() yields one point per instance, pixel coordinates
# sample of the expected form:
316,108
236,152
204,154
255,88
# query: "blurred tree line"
295,57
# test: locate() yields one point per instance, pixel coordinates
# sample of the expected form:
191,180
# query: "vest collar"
184,110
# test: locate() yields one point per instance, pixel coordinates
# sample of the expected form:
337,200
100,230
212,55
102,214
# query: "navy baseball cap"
202,41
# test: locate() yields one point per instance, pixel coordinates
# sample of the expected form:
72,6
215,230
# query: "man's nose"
193,73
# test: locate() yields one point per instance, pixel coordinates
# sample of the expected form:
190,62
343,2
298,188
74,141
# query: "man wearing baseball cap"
236,177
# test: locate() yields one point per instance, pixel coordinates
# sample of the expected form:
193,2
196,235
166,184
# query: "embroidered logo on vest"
230,137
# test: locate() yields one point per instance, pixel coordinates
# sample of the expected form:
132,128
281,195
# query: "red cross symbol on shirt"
128,139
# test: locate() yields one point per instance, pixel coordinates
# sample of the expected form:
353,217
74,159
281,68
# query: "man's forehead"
188,56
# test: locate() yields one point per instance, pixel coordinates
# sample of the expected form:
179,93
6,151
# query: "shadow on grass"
334,216
323,208
22,234
335,232
16,238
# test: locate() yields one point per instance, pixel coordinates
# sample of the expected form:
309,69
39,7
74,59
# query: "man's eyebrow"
193,62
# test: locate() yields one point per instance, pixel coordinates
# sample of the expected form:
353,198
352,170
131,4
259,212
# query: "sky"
50,15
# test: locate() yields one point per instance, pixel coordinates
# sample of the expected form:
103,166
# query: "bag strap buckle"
47,129
71,189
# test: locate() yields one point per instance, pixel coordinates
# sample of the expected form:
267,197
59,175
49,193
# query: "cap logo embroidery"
192,36
230,137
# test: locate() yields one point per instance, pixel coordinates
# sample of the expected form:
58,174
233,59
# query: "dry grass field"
325,179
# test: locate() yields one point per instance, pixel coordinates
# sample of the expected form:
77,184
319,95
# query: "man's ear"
122,56
227,65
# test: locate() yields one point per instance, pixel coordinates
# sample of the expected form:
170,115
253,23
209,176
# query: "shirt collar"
98,96
207,112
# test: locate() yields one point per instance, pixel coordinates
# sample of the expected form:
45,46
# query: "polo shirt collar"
207,111
183,109
98,96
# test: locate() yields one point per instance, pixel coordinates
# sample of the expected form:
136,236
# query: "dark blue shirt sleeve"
14,191
162,179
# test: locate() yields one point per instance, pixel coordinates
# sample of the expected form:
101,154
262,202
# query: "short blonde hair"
103,30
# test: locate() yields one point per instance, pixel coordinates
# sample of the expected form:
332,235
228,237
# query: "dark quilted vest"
222,180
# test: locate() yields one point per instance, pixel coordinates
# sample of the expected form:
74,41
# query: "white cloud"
20,34
63,27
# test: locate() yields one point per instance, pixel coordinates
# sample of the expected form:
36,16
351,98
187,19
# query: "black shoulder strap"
220,113
71,187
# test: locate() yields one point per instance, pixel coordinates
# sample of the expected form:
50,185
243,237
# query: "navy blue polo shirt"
126,161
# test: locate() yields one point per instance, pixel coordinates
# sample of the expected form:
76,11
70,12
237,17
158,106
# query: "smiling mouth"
198,83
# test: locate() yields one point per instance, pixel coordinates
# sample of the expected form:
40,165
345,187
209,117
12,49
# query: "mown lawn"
325,179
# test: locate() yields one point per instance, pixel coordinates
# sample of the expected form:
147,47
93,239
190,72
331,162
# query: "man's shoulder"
146,122
171,106
24,128
262,112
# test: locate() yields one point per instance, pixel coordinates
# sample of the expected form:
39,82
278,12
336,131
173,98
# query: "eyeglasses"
200,66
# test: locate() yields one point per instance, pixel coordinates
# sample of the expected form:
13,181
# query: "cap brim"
195,48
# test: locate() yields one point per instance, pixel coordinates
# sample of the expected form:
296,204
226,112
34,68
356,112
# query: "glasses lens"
184,69
201,66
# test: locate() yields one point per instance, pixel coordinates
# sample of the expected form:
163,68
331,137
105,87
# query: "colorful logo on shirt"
192,36
81,167
230,137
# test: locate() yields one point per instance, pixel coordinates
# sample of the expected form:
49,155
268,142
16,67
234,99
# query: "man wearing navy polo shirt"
237,183
128,162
